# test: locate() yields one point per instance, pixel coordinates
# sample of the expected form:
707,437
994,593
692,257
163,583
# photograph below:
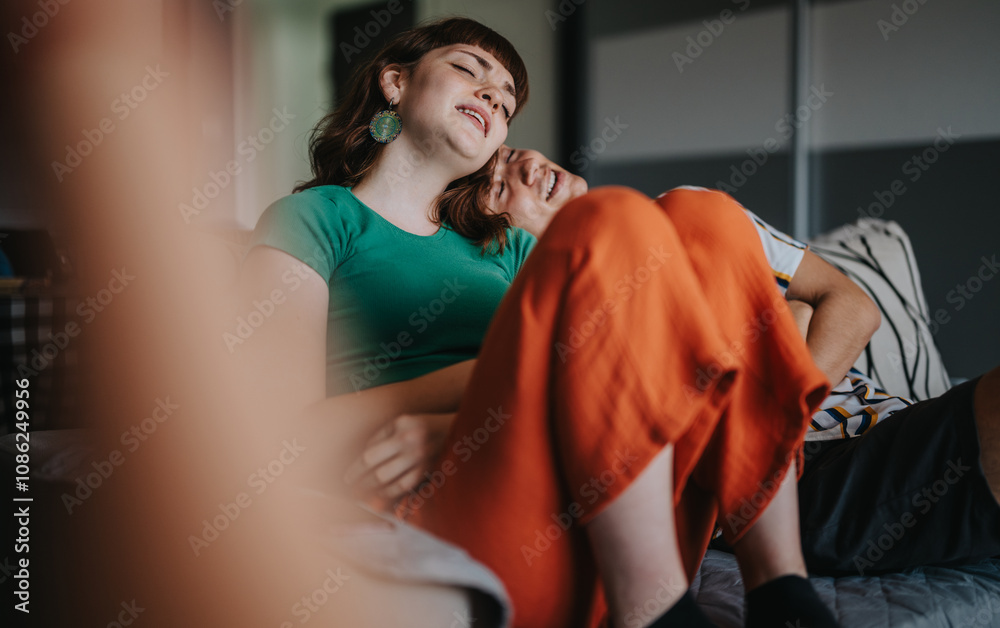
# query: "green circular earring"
385,125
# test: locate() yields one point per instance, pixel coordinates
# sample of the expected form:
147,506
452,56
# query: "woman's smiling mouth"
478,115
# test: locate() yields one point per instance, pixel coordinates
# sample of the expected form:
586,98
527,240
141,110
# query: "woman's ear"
391,81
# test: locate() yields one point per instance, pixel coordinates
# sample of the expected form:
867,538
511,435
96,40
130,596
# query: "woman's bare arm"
384,438
286,368
436,392
416,417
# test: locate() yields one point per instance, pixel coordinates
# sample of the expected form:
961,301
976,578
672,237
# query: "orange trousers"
632,325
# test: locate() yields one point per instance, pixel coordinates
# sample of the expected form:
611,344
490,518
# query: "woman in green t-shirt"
562,446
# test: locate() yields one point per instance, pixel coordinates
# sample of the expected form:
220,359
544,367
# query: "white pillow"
878,256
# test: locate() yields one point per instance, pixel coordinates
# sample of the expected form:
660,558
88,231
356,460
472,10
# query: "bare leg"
986,405
635,538
772,547
635,542
774,573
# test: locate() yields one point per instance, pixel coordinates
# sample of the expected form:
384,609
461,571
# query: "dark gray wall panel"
765,192
951,214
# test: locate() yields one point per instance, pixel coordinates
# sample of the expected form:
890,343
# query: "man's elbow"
869,317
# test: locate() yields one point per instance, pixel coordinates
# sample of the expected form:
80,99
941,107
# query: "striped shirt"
856,403
784,253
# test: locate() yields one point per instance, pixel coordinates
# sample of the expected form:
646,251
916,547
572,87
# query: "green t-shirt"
401,305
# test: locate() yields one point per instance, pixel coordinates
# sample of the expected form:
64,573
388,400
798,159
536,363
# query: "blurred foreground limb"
198,518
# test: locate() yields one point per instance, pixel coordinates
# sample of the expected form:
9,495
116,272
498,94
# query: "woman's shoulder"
320,199
519,241
325,208
318,223
519,244
520,237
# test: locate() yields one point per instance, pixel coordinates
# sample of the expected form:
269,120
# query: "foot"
787,602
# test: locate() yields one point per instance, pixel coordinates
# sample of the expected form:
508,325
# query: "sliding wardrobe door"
690,93
912,134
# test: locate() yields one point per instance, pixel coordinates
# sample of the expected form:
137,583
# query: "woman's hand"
396,458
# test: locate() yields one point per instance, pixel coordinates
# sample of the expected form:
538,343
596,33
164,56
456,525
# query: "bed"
927,597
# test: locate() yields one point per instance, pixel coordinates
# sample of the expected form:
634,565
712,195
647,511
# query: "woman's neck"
404,187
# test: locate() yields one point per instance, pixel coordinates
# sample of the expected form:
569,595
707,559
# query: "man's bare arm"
843,319
802,312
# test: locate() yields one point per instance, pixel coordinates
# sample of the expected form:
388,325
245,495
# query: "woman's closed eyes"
458,66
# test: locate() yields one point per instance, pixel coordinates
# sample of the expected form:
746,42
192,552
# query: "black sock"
684,614
787,602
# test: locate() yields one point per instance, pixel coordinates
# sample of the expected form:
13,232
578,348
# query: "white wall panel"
728,99
939,68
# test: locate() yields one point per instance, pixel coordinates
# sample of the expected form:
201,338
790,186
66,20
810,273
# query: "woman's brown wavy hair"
342,152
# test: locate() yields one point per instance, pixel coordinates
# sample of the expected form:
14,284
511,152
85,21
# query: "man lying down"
873,455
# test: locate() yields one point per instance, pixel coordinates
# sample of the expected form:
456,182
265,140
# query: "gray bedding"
928,597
